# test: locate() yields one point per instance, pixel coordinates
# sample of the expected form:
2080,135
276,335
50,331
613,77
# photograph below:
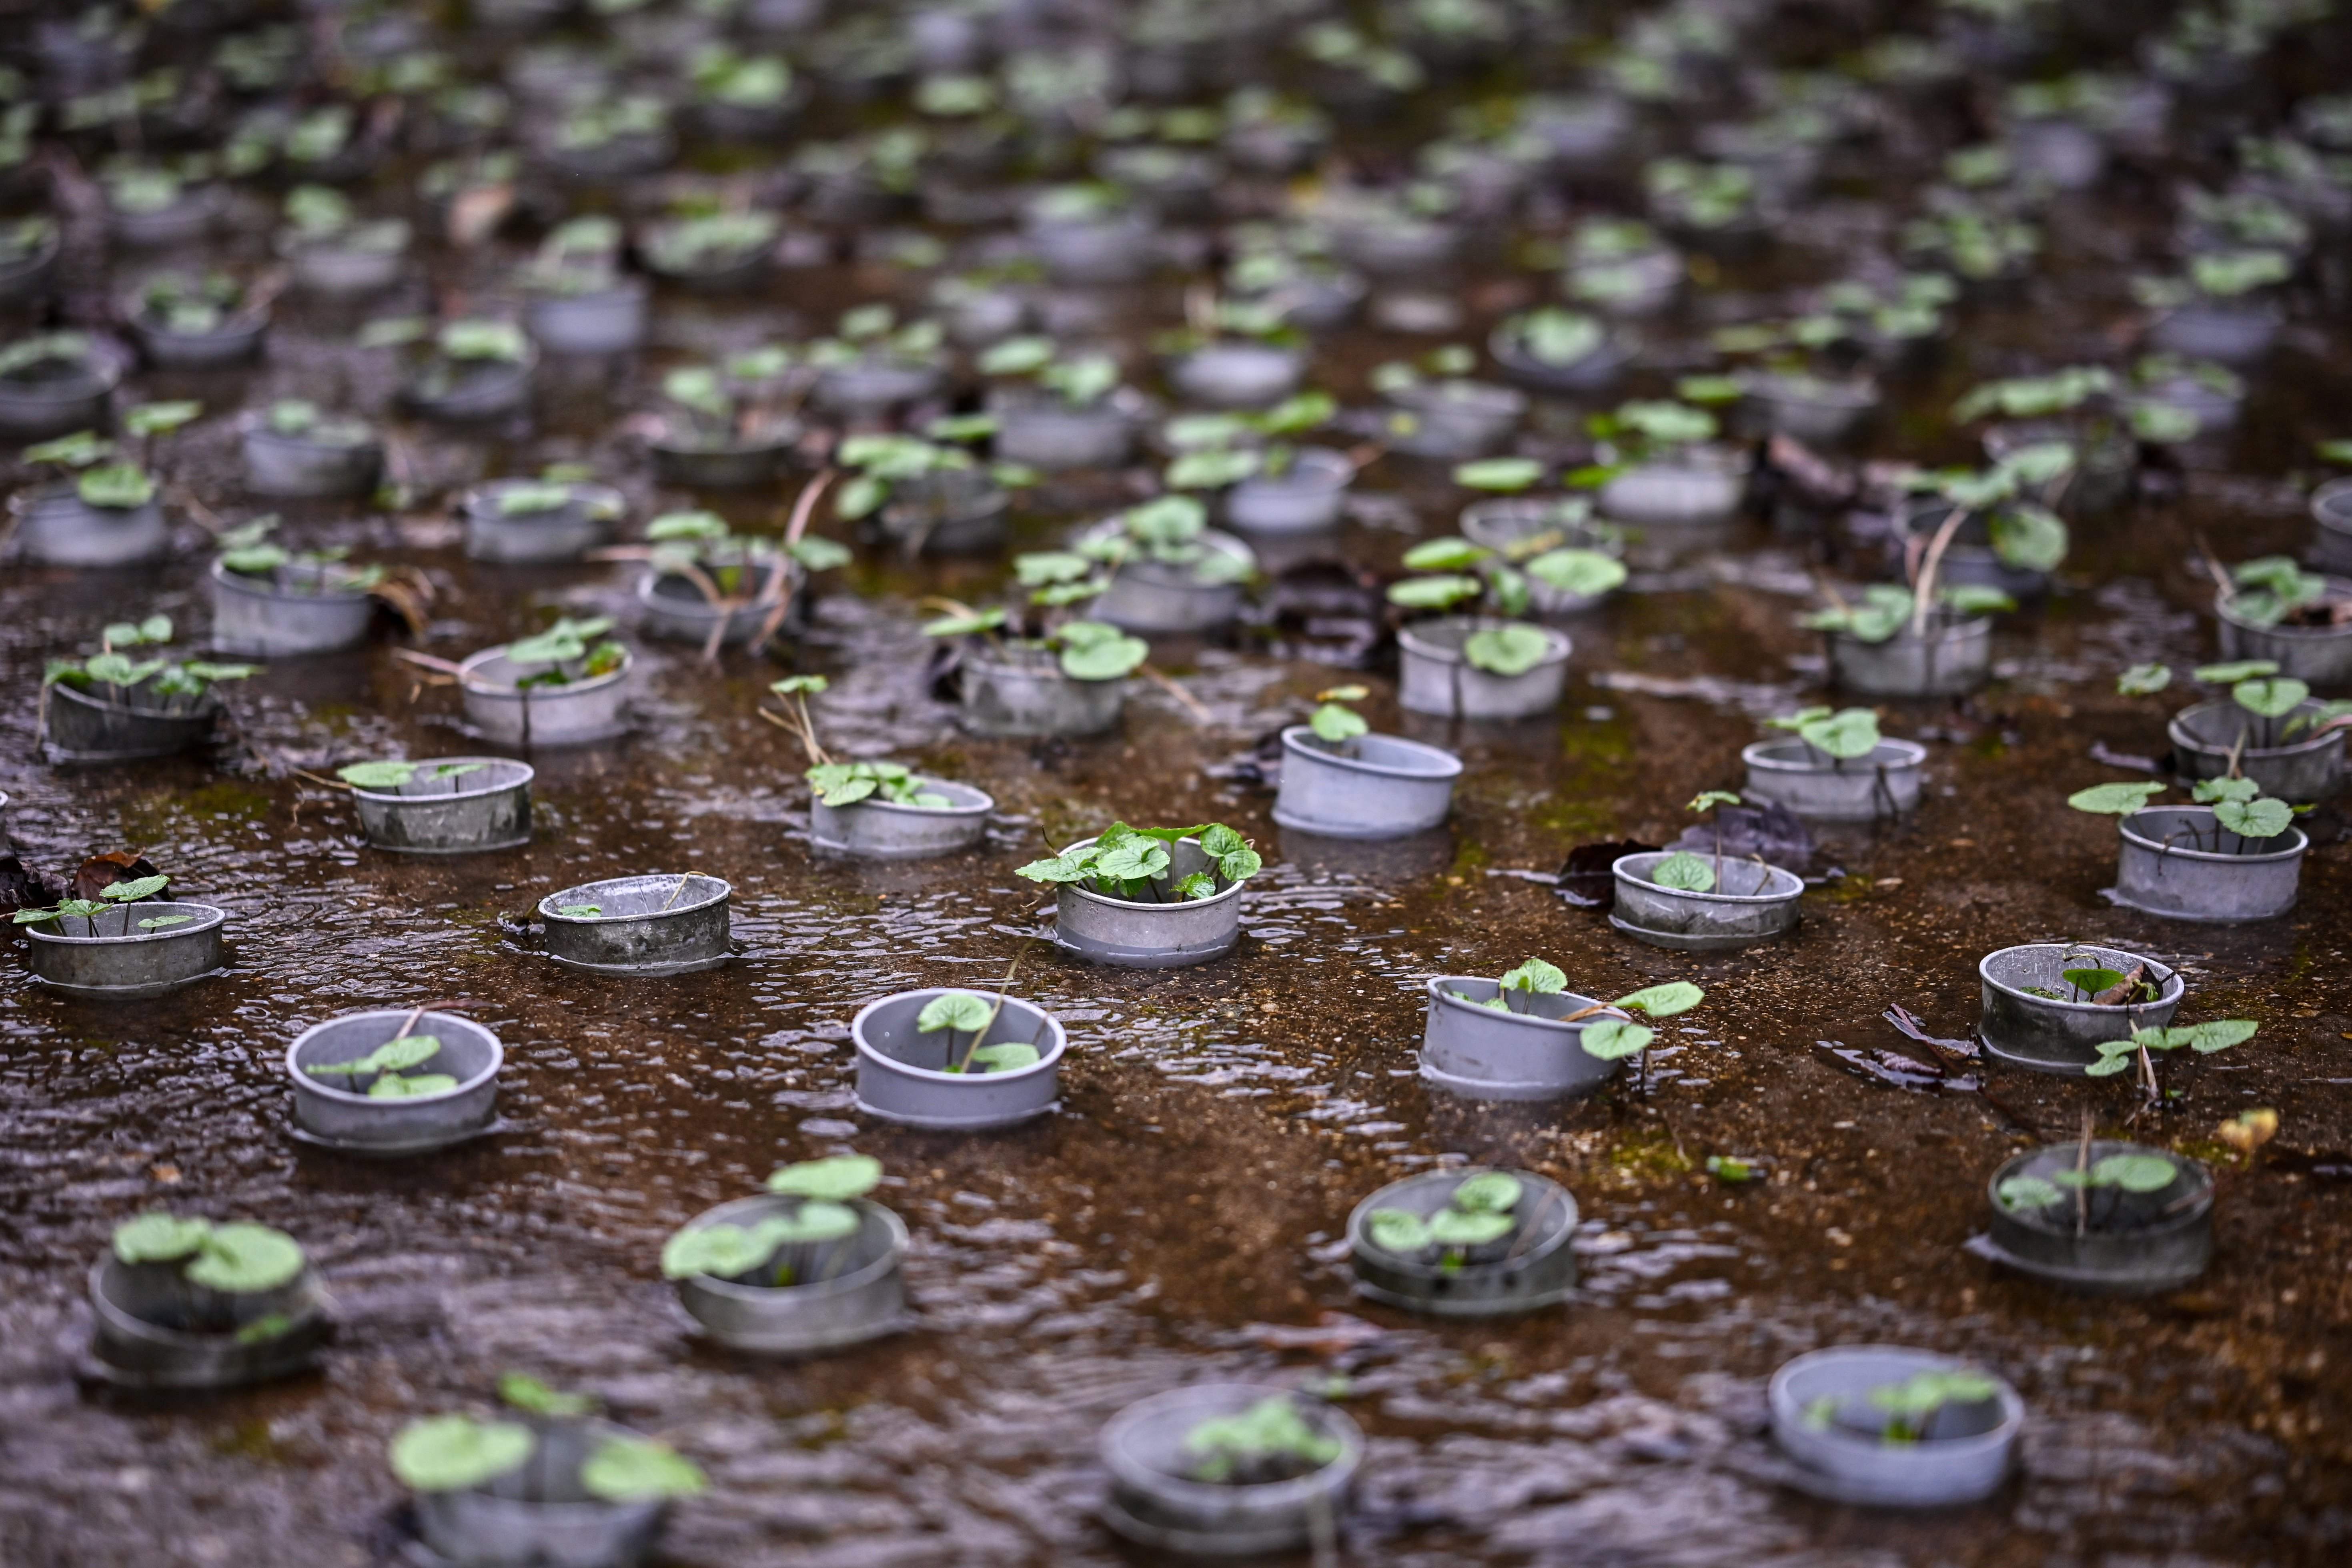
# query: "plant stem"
1923,586
2083,1170
1001,986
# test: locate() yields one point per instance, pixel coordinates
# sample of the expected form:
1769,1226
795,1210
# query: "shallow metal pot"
673,609
574,715
1156,597
183,222
57,528
539,1515
1593,372
2204,739
1154,1502
1829,789
2320,654
1535,1268
2232,333
58,405
233,343
869,386
1150,936
349,1120
1817,414
79,729
2234,885
488,390
901,1073
1237,373
1753,902
277,465
877,829
121,963
253,616
537,537
1025,699
1434,676
1454,421
1695,487
342,272
1479,1053
647,927
469,814
1953,659
1376,786
2054,1036
1305,497
1504,524
2169,1251
1051,434
609,321
865,1299
133,1350
1966,1455
1115,251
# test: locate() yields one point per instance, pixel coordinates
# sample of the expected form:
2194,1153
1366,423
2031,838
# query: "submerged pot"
1054,435
673,609
1454,421
573,715
1693,487
1535,1268
487,389
2117,1243
258,616
877,829
1163,597
82,728
1434,677
1751,902
2049,1035
860,1295
869,386
33,410
1518,527
471,814
1019,696
538,1514
1374,786
743,465
232,342
1479,1053
2207,737
2320,654
902,1075
1150,936
137,1343
338,1112
1965,1454
123,962
279,465
1155,1502
2158,871
537,537
1238,374
56,527
647,926
1829,789
956,511
608,322
1953,659
1305,497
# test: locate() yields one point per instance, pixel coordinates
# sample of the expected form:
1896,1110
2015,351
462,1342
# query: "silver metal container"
864,388
1374,786
2046,1034
279,465
2235,333
255,617
1817,412
574,715
539,1515
2167,1244
647,925
1694,486
1113,250
234,342
1966,1455
537,537
2320,654
1237,373
1155,1502
79,729
1953,659
2331,511
743,466
1434,677
472,813
135,1344
877,829
54,527
673,609
1505,524
1753,902
30,275
1020,698
488,390
1454,421
343,272
184,221
2206,737
1479,1053
608,321
1156,597
863,1297
123,962
336,1112
902,1075
1305,497
2158,871
957,511
1150,936
1970,559
1594,371
1815,785
1397,246
1536,1267
1050,434
58,405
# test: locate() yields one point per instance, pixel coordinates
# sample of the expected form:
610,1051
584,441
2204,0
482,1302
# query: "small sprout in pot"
2274,592
386,1068
248,551
1613,1036
155,685
806,1238
954,1013
846,784
1458,574
1130,864
2117,1057
1482,1213
217,1278
114,896
1841,735
1689,873
1334,723
1269,1442
571,652
2239,808
1902,1412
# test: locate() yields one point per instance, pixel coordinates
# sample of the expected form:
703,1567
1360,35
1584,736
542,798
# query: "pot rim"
2175,732
1439,987
1842,391
2262,857
1294,739
1047,1061
1111,904
253,424
529,774
583,493
1944,627
2337,588
2164,993
132,1326
1420,647
212,917
1758,754
1127,1468
927,813
312,1082
547,911
2325,505
2195,1214
475,686
840,1285
2012,1407
1337,472
1617,869
239,583
1358,1216
207,707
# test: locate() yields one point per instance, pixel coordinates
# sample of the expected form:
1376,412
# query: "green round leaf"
1507,650
1663,1001
2134,1173
1469,1227
1495,1192
2018,1192
839,1178
1684,872
453,1453
1588,574
1504,475
1614,1039
635,1470
159,1238
1336,725
957,1010
242,1257
2262,818
1396,1232
2114,799
1434,593
1537,976
1009,1057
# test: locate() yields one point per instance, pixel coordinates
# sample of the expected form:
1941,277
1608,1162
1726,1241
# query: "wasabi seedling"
386,1067
1458,572
2239,808
1131,863
179,685
114,897
393,778
1481,1212
954,1013
1057,581
2119,1056
1903,1410
571,652
2100,1190
248,551
459,1453
1335,723
1269,1442
2258,689
1887,611
2273,591
845,784
807,1235
1842,735
2099,986
1614,1035
1685,872
1167,532
213,1261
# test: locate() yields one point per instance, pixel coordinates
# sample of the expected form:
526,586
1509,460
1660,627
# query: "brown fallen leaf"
476,213
101,872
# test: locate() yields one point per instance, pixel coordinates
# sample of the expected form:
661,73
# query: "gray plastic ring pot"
1150,936
673,609
1305,497
1970,559
30,277
537,538
281,465
123,962
489,389
877,829
1953,659
2047,1035
2320,654
1534,1267
1049,434
744,465
870,386
1374,786
255,617
2159,871
2207,737
471,814
1020,698
539,1515
1436,678
2106,460
647,925
57,404
1817,412
1116,250
137,1338
608,321
1509,525
181,222
860,1294
1753,902
1479,1053
1162,597
1589,374
960,511
1964,1455
1454,421
2331,511
572,715
1155,1502
1237,373
342,271
337,1111
2117,1243
1831,789
57,528
902,1073
82,729
233,343
1695,487
2234,334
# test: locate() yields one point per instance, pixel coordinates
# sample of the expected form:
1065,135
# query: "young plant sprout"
299,419
885,464
957,1012
114,896
2103,986
2110,1177
387,1068
1080,380
1903,1410
2259,690
459,1453
1843,734
178,685
1886,611
1056,579
1127,863
1167,532
1334,723
1615,1037
843,783
2119,1056
1481,1212
744,399
579,257
1460,573
2024,533
1684,871
248,551
1269,1442
572,651
400,776
2273,591
193,305
805,1237
215,1264
2239,807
